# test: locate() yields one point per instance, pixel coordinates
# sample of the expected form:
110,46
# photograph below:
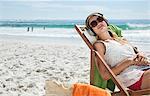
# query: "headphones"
91,31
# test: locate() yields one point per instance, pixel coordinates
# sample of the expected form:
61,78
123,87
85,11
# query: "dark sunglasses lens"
100,19
93,23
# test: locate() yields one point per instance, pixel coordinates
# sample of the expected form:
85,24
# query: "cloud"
78,9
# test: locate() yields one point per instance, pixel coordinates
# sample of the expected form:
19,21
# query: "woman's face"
98,25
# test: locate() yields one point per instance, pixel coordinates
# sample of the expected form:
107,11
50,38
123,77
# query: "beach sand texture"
27,62
24,66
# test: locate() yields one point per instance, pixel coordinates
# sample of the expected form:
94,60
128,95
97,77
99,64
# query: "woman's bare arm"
122,66
101,50
126,63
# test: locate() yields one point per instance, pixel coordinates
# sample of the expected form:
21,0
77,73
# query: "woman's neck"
106,38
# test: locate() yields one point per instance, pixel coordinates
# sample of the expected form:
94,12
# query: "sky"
73,9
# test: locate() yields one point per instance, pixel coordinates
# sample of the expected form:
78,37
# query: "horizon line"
69,19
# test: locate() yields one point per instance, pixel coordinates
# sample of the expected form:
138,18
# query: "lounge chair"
95,77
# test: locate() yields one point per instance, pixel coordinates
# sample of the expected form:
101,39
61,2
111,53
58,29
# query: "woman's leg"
146,80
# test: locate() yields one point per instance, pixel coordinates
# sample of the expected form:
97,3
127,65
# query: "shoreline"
74,41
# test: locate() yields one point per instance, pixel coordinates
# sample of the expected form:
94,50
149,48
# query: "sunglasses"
94,23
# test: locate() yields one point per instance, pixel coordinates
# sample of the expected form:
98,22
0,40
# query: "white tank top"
114,54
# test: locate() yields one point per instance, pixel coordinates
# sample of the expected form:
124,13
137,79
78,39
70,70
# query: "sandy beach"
24,66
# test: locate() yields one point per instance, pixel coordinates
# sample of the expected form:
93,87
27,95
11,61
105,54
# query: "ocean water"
136,31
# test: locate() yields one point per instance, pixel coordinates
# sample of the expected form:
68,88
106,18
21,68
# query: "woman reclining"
119,55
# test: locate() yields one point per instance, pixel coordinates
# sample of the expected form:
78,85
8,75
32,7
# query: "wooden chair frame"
94,54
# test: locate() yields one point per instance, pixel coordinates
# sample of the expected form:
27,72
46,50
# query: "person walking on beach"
119,55
44,28
32,28
28,29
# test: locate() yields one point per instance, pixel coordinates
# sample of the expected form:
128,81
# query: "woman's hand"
140,59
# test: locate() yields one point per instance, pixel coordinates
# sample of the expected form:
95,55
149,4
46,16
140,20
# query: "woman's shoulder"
100,47
99,44
102,42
